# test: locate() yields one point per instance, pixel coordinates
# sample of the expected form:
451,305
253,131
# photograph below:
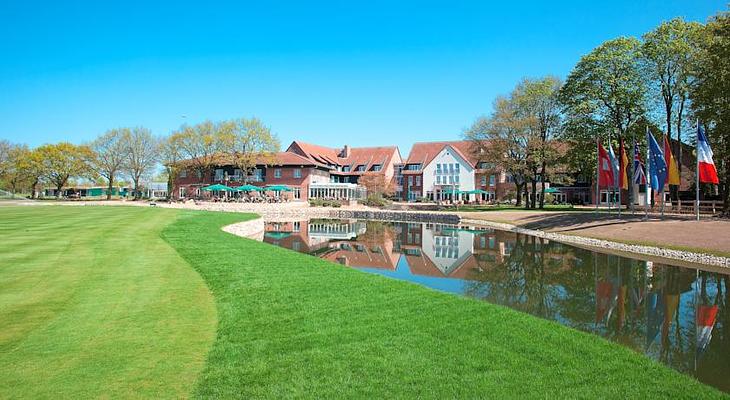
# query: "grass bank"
291,325
93,303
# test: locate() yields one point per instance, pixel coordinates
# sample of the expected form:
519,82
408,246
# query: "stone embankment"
252,229
651,251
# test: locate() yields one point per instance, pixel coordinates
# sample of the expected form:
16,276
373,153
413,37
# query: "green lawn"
94,303
291,325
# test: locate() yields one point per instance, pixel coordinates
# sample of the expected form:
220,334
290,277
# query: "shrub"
375,200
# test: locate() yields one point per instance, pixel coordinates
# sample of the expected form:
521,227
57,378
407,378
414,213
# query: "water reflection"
673,314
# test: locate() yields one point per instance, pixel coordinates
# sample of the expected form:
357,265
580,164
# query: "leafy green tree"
142,155
62,161
710,95
605,93
108,154
670,53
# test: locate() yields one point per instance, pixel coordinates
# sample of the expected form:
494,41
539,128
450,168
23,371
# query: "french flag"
705,165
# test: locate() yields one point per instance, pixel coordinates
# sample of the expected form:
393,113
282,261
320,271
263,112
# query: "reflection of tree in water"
524,280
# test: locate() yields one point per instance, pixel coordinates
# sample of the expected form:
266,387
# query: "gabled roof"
367,156
424,152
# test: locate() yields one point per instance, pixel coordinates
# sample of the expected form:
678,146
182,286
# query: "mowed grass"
291,325
93,303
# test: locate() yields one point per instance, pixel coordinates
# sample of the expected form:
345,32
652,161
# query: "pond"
675,315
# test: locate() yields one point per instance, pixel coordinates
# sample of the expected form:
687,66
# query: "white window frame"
297,172
277,173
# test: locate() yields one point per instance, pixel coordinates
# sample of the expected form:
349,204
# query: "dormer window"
346,168
360,168
376,167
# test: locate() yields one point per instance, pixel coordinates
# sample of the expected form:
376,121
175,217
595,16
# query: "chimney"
345,152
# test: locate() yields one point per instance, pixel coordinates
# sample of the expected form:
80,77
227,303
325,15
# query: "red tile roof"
424,152
282,158
367,156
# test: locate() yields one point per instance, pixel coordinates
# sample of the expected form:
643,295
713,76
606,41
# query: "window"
183,173
438,179
456,167
297,172
360,168
237,174
410,180
218,175
451,168
413,167
277,173
376,167
418,181
456,178
258,175
438,168
492,180
346,168
297,193
483,180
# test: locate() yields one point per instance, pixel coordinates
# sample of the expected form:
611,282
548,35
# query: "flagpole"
598,172
664,139
697,172
648,176
633,182
609,196
621,175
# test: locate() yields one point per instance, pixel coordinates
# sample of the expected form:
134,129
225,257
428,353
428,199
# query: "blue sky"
362,73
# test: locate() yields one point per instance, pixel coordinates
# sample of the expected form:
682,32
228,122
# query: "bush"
375,200
324,203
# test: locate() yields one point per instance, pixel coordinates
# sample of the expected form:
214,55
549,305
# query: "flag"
707,170
614,165
624,162
605,169
671,163
657,174
706,316
639,176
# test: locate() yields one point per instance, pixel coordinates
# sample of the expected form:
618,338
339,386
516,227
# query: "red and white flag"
706,167
605,168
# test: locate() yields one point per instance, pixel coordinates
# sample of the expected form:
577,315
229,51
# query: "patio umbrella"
551,190
248,188
278,188
277,235
217,187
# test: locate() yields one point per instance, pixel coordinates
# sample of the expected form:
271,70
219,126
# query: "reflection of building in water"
343,230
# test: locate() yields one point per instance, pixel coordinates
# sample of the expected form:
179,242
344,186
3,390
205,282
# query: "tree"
200,144
501,139
142,155
62,161
16,171
375,184
604,93
249,142
710,95
670,54
170,157
537,104
5,147
109,153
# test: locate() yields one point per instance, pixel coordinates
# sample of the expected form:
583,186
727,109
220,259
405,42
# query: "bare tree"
142,155
109,153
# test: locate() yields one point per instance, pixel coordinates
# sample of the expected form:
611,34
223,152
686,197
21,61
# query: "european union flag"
657,164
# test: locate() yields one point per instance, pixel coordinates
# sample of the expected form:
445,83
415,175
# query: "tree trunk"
58,190
527,195
518,195
32,188
533,199
109,189
542,183
170,185
136,188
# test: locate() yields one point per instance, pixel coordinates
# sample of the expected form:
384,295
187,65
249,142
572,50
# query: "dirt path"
710,235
